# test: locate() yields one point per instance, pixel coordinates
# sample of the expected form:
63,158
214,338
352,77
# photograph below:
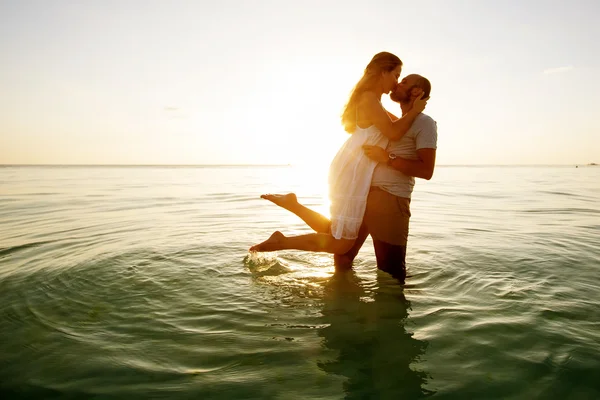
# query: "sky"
264,82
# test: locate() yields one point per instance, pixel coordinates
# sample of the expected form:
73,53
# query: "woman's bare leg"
318,222
315,242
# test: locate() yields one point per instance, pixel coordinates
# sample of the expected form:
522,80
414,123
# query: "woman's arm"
392,116
371,107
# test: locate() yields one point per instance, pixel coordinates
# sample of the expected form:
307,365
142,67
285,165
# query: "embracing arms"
371,108
421,168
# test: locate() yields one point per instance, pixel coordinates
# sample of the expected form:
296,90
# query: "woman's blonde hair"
381,62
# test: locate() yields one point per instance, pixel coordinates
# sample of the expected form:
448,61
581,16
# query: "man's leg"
387,217
391,258
343,262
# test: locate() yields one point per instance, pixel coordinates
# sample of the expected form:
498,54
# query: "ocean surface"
136,283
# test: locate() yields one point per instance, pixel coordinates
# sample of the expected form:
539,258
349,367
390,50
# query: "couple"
372,176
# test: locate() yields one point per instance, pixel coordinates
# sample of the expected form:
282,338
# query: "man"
388,205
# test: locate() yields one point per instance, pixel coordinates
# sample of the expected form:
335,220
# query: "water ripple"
137,282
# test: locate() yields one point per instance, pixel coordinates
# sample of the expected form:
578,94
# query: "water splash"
260,264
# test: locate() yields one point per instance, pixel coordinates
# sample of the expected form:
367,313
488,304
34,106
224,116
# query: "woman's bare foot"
273,243
287,201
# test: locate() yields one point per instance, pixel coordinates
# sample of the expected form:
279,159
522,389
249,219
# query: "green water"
136,283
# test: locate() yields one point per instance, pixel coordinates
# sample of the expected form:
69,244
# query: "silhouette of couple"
372,176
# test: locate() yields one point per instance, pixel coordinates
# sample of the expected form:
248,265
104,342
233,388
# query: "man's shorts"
387,217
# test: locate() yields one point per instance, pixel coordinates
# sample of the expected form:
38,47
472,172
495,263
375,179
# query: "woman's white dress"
350,176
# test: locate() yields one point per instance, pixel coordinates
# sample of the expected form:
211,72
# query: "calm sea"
135,282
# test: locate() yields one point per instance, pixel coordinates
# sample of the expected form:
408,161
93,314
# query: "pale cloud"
558,70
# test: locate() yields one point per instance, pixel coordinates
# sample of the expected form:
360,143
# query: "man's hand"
376,153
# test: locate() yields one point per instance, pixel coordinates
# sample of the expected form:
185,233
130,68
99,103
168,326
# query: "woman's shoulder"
368,96
368,100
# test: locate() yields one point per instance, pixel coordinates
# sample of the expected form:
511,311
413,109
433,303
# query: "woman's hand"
419,103
376,153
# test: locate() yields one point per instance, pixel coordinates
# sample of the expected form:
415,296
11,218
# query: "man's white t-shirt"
421,135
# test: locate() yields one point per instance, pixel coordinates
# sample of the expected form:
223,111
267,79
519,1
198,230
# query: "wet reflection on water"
375,351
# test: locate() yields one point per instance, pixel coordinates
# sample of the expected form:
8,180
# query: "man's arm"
421,168
425,142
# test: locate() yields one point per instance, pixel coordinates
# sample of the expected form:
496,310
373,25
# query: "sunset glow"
265,82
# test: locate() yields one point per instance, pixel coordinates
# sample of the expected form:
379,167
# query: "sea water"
136,282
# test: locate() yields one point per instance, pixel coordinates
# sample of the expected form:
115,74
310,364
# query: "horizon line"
274,165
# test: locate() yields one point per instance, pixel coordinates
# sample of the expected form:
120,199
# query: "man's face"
406,90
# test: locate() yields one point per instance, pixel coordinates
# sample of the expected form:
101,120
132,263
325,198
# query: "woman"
351,170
